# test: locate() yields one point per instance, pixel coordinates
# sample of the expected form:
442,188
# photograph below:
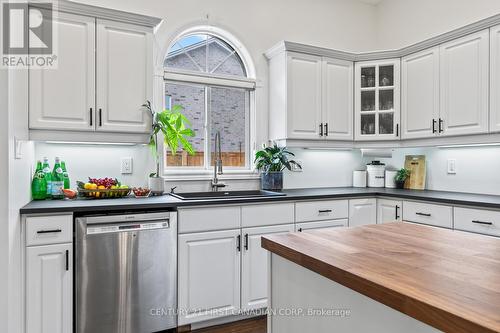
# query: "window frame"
203,79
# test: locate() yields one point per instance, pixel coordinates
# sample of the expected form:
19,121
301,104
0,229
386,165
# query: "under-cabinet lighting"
327,148
93,143
472,145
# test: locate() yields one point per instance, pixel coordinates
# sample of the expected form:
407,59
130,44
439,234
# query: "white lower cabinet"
362,211
299,227
208,275
254,265
477,220
426,213
389,210
49,289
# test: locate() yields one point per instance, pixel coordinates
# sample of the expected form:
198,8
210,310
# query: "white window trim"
210,79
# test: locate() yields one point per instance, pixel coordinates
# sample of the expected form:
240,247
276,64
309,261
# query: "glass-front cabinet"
377,100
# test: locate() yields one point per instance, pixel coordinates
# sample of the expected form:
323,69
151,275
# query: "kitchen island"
395,277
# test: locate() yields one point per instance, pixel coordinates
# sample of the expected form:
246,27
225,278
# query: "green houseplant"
401,177
176,130
271,161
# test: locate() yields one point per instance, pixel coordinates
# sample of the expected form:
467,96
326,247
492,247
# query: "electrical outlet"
452,166
126,166
295,168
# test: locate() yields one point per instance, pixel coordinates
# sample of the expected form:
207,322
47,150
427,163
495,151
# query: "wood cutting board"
416,165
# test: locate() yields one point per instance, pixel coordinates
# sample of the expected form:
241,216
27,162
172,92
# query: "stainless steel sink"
225,195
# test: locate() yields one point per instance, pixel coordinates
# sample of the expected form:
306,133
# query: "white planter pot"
156,185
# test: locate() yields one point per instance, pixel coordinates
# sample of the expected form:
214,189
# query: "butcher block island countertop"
447,279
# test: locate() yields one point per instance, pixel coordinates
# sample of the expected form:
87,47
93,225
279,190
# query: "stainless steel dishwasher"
126,273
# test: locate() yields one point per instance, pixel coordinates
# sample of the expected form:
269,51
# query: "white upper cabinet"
337,99
377,99
310,97
420,94
304,96
124,76
464,82
495,79
64,98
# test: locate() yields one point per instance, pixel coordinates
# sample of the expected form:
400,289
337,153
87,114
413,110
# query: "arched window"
208,77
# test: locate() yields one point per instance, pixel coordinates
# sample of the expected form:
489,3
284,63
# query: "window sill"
193,175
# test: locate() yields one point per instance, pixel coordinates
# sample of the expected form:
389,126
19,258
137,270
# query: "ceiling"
371,2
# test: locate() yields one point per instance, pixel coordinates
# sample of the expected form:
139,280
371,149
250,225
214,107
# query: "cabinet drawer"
208,219
420,212
50,229
321,225
321,210
267,214
477,220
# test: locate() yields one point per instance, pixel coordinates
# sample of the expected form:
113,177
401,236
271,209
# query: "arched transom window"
207,77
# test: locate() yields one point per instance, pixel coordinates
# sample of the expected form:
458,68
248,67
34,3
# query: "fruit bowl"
140,192
102,188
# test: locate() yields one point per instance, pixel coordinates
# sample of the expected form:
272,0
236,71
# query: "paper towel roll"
359,178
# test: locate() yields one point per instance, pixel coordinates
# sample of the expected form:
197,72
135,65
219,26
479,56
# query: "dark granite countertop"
168,202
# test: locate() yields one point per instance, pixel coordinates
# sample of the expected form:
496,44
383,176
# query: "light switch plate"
452,166
126,165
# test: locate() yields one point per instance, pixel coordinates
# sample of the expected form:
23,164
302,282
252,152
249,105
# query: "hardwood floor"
253,325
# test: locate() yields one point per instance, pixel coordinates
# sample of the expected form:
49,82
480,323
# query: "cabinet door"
495,79
362,211
64,98
389,210
464,67
124,76
254,267
337,99
299,227
209,275
49,291
377,100
420,94
304,96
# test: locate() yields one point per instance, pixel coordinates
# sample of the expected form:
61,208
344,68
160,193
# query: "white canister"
390,178
359,178
376,174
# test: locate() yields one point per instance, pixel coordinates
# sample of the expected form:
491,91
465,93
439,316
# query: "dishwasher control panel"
123,227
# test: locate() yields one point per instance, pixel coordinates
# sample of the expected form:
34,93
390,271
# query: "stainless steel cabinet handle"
238,243
423,214
91,116
48,231
397,213
482,222
441,121
246,242
299,230
100,117
324,211
326,129
397,130
434,125
321,129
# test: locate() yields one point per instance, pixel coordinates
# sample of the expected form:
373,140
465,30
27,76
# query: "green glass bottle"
57,180
48,177
67,183
39,184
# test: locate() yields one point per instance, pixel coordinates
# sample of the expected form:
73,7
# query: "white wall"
4,239
405,22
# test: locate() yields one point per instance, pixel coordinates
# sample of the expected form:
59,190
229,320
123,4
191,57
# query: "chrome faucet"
216,184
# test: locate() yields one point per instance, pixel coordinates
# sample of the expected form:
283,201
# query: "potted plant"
401,177
271,161
175,129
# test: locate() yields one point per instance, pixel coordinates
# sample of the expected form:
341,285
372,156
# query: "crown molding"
288,46
100,12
